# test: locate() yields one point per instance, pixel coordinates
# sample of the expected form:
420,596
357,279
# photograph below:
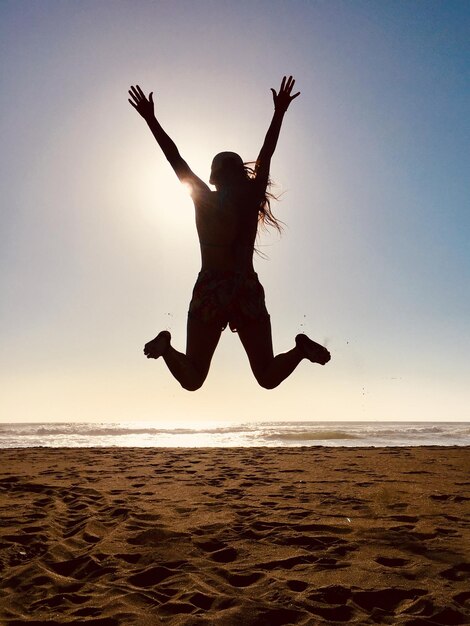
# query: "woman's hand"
284,98
140,103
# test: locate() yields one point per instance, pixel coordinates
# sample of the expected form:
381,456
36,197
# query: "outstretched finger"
283,83
295,95
134,98
130,102
134,93
141,93
290,84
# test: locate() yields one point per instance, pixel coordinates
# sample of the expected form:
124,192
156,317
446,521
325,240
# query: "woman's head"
226,168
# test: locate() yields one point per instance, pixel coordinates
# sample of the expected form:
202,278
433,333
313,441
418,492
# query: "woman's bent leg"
190,369
270,370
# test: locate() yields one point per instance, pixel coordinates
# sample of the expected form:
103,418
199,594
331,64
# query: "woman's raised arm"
282,101
145,107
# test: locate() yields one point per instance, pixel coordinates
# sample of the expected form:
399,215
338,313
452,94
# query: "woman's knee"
194,382
191,386
266,382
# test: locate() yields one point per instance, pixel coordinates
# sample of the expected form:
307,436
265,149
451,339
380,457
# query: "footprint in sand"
391,562
460,571
463,598
201,600
132,558
237,579
297,585
338,613
226,555
151,576
385,599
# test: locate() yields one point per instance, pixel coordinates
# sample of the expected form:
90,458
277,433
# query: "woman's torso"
226,222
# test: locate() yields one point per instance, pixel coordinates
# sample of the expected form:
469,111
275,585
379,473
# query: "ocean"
251,434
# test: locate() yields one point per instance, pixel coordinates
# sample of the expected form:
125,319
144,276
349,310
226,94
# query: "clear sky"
98,247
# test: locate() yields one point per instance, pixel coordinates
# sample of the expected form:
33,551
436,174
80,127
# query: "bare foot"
312,351
158,346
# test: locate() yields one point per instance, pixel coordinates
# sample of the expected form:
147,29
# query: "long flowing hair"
266,217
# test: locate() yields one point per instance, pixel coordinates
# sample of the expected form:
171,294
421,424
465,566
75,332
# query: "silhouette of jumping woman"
227,290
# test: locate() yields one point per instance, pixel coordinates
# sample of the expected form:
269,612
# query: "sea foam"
288,433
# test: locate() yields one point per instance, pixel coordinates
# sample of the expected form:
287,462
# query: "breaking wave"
291,434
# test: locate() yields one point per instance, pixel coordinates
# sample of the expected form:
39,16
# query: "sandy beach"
235,536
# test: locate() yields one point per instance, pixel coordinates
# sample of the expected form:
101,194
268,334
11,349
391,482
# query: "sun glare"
188,188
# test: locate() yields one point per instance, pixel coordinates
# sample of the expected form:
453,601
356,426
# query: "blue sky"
98,245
